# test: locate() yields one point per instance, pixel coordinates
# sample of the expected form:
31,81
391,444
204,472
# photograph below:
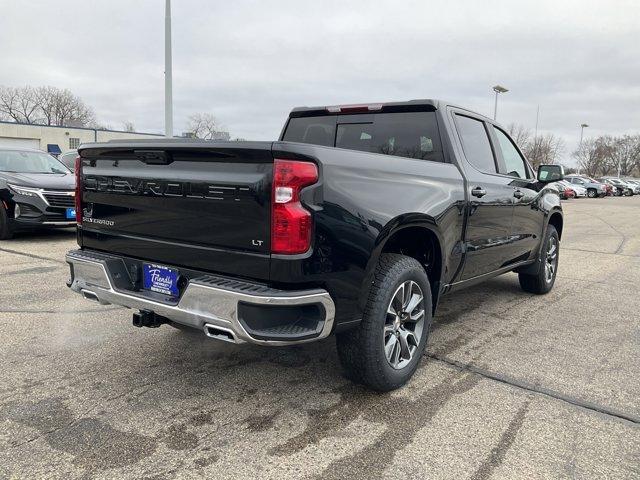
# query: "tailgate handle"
153,157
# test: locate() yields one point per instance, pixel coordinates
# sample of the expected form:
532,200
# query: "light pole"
582,127
168,88
498,89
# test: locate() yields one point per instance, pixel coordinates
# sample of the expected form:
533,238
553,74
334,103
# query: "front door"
526,227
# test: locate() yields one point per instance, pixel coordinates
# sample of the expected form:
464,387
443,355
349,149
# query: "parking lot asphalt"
513,385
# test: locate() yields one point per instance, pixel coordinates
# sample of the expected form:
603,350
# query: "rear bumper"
225,309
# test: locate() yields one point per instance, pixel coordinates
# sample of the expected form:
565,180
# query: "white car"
634,184
580,191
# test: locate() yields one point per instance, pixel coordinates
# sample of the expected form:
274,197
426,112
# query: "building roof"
4,122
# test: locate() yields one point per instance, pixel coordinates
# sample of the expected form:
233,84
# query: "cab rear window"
403,134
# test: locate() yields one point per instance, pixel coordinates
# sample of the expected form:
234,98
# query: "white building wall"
62,136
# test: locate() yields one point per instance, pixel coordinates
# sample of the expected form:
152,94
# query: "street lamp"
168,86
498,89
582,127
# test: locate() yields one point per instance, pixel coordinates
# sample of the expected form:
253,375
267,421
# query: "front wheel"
384,351
591,193
6,232
542,282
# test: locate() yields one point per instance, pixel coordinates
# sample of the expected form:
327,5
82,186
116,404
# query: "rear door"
490,207
204,206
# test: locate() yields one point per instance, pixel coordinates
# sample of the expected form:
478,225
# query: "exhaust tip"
219,333
90,295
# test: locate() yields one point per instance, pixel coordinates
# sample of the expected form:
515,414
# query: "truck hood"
46,181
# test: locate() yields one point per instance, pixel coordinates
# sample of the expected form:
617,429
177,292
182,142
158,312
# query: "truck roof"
418,105
410,105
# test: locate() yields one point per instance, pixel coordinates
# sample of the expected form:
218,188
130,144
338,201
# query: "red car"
608,190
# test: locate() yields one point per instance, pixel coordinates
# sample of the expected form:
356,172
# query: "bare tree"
544,149
19,104
44,106
588,157
520,134
128,126
206,127
623,153
71,111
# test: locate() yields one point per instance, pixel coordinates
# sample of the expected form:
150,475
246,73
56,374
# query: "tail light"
290,221
78,173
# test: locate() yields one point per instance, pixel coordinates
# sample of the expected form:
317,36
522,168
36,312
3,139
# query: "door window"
515,164
475,143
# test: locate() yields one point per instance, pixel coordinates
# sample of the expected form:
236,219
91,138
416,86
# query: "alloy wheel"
404,324
551,263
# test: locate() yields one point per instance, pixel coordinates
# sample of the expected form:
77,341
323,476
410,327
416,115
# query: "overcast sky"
250,62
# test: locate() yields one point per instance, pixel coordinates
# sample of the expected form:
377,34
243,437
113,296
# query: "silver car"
594,188
634,184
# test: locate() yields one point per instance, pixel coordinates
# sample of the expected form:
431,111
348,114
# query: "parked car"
620,187
579,190
627,189
593,189
69,159
610,190
36,191
565,190
355,223
633,184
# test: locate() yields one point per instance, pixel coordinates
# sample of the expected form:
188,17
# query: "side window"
407,134
513,160
475,143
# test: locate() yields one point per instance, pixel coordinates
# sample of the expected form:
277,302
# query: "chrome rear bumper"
207,303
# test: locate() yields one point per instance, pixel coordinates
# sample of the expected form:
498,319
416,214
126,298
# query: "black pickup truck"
354,223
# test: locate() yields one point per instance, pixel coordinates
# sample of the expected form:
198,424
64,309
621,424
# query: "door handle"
518,194
478,192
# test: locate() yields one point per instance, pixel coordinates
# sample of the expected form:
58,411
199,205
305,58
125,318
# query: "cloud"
250,62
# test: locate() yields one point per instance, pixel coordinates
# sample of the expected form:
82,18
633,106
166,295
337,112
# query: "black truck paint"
204,207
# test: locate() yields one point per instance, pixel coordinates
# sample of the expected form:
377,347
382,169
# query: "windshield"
18,161
69,160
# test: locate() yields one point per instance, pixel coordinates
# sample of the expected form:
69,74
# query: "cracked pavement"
512,386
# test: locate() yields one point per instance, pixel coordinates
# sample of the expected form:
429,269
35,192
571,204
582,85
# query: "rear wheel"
542,282
6,232
591,193
384,351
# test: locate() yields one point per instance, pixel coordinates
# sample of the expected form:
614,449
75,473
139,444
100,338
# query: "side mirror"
550,173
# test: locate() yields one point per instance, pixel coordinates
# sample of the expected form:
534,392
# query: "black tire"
6,232
541,283
592,193
362,350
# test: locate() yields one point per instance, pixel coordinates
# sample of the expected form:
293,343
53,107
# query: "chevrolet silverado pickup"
355,223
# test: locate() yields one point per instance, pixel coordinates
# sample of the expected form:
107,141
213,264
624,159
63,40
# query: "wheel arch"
557,220
414,235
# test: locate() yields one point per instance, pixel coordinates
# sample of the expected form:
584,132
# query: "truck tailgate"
200,205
